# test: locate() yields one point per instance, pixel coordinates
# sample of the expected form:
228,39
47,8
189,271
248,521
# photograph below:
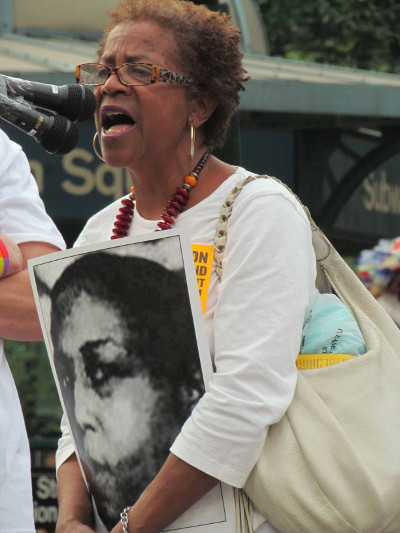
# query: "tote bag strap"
322,246
244,511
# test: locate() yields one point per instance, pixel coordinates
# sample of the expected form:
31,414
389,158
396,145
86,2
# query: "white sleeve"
22,214
268,278
65,444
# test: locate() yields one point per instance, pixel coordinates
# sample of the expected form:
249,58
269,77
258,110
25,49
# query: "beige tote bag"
332,464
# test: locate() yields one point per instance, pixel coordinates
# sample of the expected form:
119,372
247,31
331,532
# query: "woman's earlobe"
204,107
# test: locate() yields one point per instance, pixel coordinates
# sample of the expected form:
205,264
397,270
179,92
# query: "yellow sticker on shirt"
203,255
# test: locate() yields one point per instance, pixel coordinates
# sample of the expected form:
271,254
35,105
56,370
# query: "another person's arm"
24,220
18,315
11,260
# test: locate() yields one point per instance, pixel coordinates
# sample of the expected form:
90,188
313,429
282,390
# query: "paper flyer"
123,327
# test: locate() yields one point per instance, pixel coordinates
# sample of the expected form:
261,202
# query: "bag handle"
321,245
244,511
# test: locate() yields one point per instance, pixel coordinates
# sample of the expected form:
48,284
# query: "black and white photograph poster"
123,327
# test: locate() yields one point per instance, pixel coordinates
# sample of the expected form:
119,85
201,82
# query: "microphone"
56,134
73,101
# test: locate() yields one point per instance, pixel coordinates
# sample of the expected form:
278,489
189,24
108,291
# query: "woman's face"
158,113
113,404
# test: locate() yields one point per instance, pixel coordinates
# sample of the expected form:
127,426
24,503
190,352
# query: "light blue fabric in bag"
329,327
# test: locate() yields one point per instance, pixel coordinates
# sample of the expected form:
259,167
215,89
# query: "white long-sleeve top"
254,319
24,219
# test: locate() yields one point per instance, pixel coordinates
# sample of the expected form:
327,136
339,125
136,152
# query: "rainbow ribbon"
4,260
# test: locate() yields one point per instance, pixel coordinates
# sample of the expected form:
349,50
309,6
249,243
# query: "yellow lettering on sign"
82,181
84,184
203,255
109,181
380,195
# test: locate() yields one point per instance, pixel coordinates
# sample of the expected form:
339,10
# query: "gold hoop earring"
192,140
96,136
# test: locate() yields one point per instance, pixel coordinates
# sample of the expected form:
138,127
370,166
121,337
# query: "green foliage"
353,33
32,373
352,262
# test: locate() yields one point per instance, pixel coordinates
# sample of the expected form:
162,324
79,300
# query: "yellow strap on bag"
308,361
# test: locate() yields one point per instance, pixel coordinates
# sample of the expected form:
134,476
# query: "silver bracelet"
124,519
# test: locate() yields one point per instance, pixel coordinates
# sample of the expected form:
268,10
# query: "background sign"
45,507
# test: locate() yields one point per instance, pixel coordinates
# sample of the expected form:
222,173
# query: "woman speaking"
167,82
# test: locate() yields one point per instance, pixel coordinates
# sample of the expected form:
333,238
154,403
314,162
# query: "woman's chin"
115,162
117,158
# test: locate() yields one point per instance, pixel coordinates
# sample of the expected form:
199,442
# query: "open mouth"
116,122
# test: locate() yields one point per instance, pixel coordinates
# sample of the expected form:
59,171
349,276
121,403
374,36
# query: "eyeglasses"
94,74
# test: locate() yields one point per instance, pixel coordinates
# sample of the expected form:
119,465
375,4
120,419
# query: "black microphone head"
61,138
79,104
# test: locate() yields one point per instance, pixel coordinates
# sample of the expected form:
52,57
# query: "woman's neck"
154,187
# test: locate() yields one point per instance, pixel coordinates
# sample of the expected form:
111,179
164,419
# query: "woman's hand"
176,487
73,526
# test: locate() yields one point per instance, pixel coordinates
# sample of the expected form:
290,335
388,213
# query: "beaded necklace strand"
175,206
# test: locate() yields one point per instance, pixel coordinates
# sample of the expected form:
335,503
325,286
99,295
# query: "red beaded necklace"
174,207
